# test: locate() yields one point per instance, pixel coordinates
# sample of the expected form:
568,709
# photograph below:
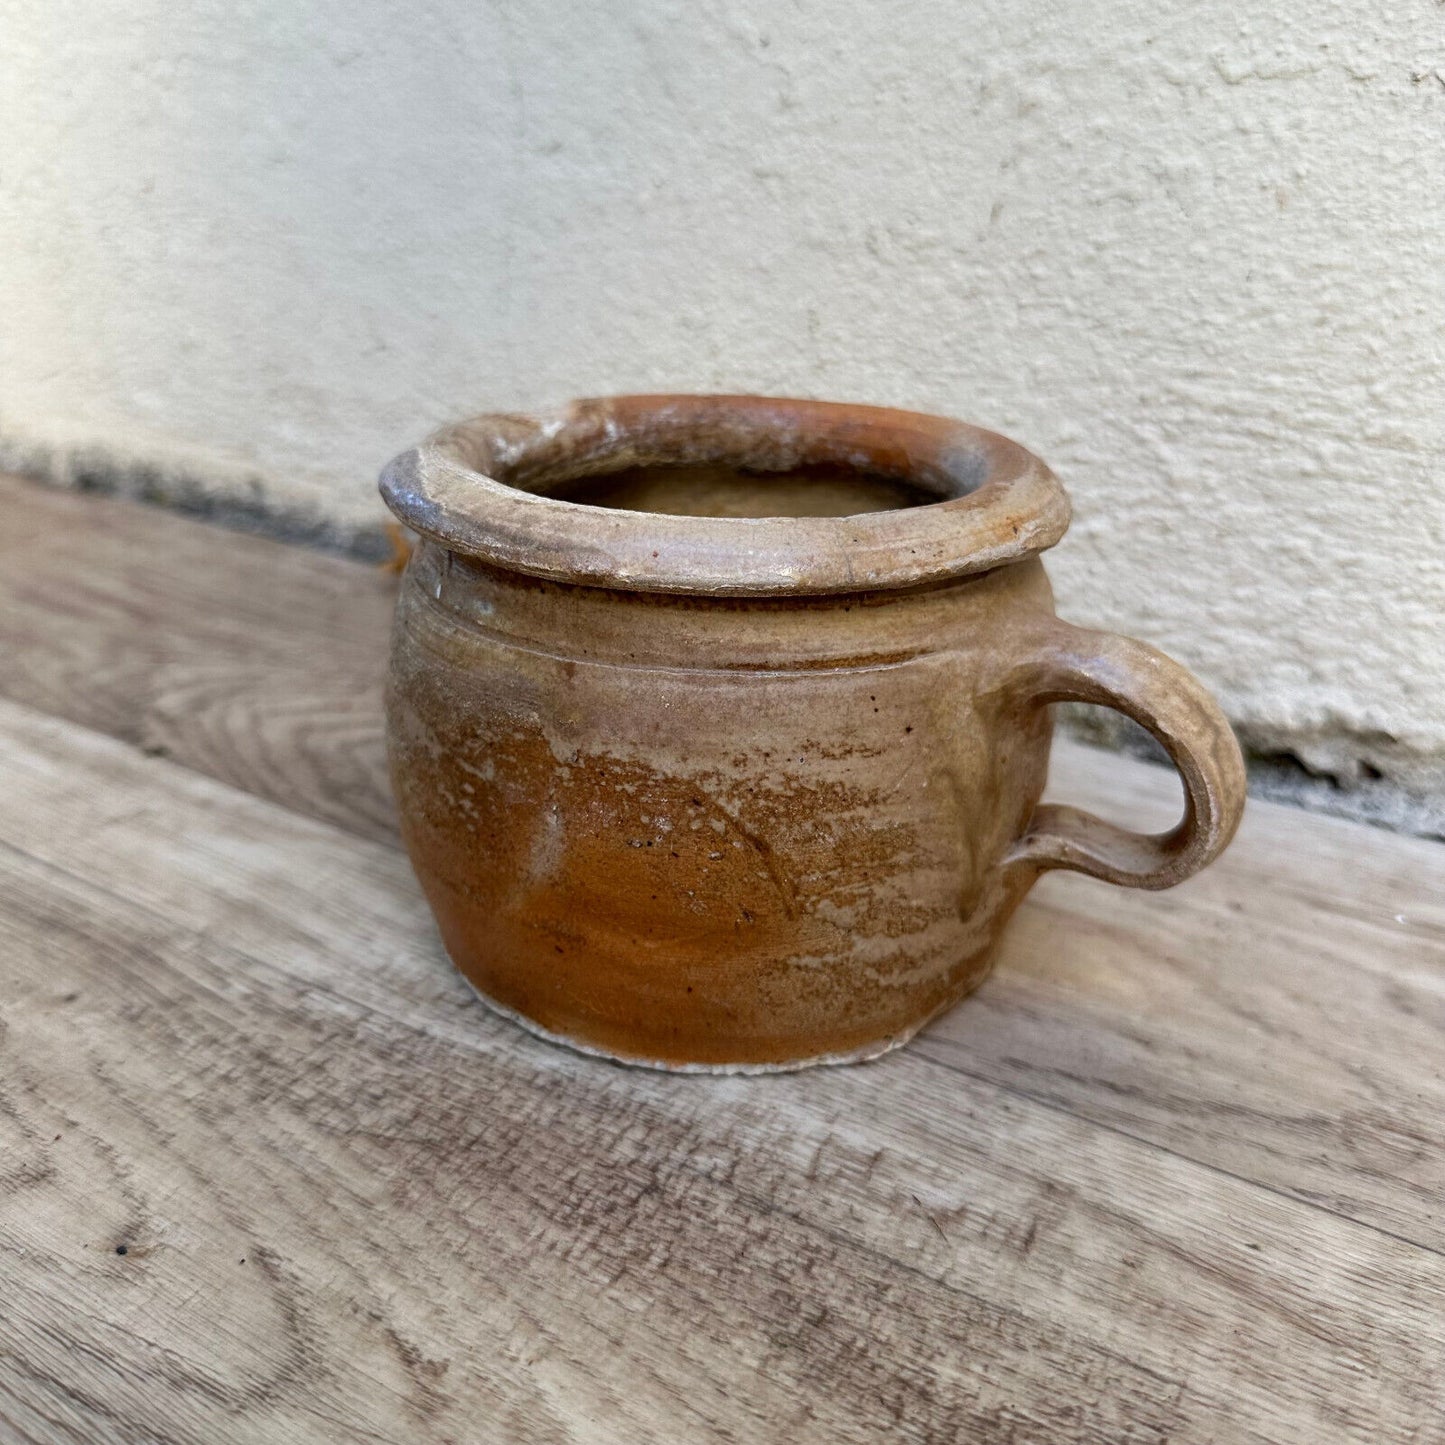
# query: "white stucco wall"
1193,255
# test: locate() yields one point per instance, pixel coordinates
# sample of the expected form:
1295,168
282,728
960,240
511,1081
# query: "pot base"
866,1054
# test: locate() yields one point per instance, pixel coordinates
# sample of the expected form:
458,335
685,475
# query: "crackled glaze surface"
748,826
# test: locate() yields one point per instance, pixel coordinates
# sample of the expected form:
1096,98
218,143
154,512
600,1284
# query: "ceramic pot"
718,725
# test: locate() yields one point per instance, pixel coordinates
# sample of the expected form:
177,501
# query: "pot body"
716,832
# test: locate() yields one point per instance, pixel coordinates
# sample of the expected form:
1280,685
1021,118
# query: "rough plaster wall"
1194,257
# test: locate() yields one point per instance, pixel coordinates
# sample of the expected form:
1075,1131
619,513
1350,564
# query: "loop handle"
1073,664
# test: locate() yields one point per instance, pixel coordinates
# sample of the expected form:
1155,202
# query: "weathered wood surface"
257,663
1174,1174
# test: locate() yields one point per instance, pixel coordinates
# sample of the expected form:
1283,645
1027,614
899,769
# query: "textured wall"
1194,260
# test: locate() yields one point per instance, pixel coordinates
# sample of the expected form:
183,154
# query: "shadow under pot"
718,725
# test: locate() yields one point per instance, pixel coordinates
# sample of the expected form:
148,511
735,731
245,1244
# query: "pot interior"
716,489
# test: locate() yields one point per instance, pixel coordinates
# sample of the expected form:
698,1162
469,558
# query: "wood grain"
1281,1017
255,662
454,1232
1173,1174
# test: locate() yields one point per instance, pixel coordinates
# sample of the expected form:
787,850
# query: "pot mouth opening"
729,495
722,489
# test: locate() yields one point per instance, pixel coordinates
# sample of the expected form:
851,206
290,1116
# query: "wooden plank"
229,1034
257,663
1280,1017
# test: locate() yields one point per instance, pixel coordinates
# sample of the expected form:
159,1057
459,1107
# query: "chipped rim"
467,488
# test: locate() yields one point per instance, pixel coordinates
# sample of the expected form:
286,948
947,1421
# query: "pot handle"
1073,664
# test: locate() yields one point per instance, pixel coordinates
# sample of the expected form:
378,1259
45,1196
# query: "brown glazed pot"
718,724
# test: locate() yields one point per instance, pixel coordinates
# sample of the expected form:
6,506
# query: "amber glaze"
718,725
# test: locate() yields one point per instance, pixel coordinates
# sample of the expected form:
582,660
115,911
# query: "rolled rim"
478,488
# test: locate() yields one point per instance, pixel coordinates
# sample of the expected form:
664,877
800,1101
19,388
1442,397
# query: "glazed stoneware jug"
718,724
